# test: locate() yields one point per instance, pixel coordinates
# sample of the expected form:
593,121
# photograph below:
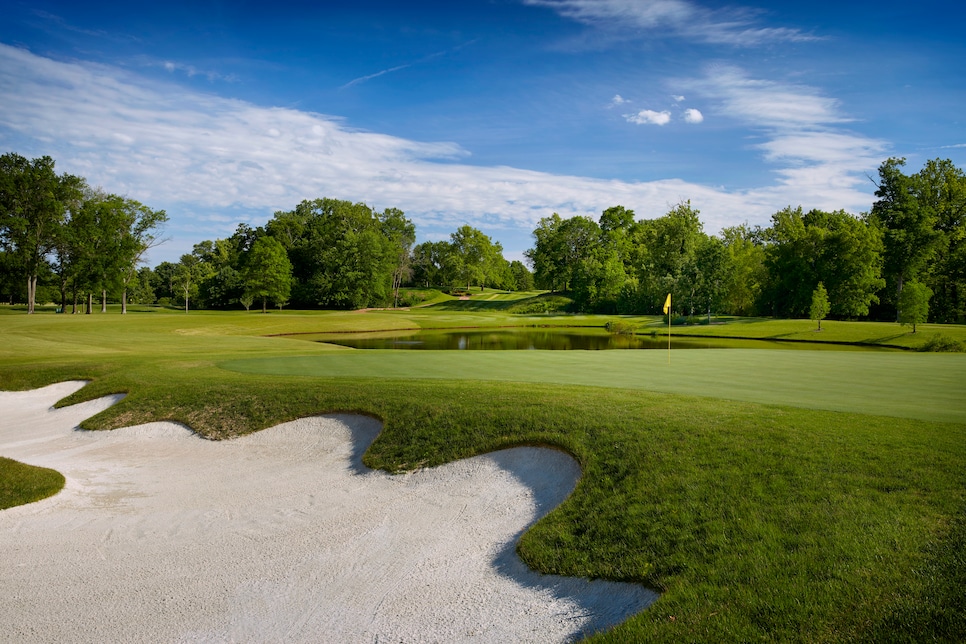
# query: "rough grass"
757,521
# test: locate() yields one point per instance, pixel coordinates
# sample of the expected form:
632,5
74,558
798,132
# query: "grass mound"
21,483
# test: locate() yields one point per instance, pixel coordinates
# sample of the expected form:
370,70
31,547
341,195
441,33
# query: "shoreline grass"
756,520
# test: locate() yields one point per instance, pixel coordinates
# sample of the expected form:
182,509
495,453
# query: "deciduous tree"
34,201
914,304
820,305
268,273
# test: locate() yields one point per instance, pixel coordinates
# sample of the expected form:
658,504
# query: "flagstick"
669,336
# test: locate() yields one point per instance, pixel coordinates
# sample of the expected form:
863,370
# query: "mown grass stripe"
919,386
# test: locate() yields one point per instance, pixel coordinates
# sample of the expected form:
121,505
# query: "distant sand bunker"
282,535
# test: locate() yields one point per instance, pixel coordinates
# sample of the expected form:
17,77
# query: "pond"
552,339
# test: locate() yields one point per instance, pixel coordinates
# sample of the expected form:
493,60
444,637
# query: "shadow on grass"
543,303
886,338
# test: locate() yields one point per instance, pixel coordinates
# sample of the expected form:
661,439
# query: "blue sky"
492,113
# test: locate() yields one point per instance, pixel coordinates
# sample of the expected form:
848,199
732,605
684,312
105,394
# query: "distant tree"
714,266
400,233
141,289
162,281
820,304
914,304
188,273
940,188
748,275
340,256
547,255
475,256
137,236
431,263
522,277
908,226
34,201
268,272
835,248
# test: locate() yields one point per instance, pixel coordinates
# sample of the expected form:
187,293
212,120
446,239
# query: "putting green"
908,385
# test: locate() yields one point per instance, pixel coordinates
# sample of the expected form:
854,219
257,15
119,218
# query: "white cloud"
649,117
618,100
733,26
203,157
692,115
677,98
767,103
824,164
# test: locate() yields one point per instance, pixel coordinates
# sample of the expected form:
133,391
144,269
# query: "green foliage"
940,189
914,304
343,255
908,225
34,201
820,305
268,272
941,343
747,273
522,277
835,248
475,260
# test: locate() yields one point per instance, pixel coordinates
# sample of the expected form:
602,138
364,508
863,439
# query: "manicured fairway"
907,385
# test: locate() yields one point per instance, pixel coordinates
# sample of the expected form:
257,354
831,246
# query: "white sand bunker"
284,535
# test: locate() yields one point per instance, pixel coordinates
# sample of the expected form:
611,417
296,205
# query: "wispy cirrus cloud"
191,71
390,70
805,134
682,18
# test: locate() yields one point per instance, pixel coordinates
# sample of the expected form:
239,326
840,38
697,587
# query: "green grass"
881,333
919,386
21,483
770,496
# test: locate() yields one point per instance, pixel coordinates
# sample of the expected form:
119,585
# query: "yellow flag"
667,304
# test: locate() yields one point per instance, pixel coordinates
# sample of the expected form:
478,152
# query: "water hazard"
545,339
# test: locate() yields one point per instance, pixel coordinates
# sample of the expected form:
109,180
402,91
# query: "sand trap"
160,536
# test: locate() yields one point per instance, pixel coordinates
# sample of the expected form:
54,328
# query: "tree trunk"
90,303
73,310
31,293
103,300
186,301
898,294
124,301
63,296
263,305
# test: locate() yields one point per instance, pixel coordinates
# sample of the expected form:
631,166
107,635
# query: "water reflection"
529,339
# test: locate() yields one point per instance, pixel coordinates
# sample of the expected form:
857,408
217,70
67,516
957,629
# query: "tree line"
907,252
908,248
59,233
330,253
